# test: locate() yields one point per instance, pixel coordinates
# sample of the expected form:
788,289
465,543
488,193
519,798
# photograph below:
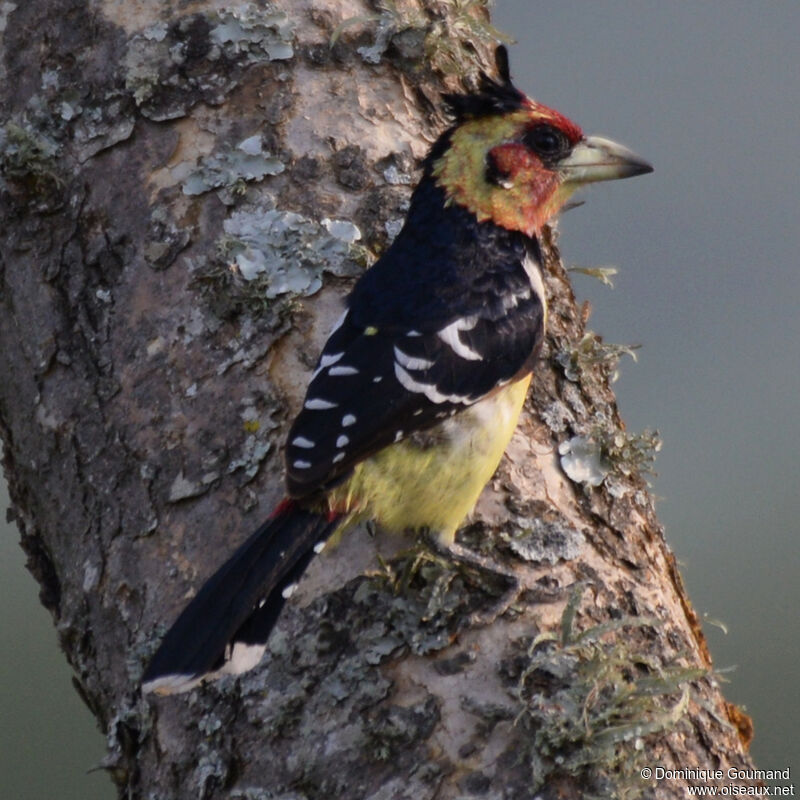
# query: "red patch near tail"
284,507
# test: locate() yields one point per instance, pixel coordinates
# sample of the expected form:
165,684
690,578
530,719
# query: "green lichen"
588,700
580,358
458,34
447,38
393,729
431,600
602,274
29,160
629,453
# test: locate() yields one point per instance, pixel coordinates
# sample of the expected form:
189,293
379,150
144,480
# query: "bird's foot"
470,560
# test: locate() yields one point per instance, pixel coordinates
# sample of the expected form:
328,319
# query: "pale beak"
598,159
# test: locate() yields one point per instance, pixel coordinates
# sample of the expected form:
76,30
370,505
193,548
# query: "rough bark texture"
152,159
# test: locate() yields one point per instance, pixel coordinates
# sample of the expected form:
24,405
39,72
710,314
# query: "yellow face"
519,169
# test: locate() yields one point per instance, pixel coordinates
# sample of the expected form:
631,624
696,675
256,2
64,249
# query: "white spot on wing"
342,370
428,389
319,547
410,362
377,379
337,458
326,361
398,436
449,336
342,441
534,274
300,464
348,420
318,404
301,441
511,301
413,333
288,590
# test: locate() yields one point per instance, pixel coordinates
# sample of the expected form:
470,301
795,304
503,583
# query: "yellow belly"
433,480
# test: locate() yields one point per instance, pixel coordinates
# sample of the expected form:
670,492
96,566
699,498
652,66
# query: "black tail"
238,605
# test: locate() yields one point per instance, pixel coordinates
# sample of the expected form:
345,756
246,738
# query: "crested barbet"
417,391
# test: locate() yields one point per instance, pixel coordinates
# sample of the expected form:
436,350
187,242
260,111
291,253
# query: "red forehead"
542,113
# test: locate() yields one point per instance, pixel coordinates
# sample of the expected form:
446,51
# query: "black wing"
385,374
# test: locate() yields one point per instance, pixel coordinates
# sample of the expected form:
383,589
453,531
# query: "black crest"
493,96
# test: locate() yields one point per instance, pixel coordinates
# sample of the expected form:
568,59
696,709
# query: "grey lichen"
604,452
5,10
547,537
254,451
402,627
258,31
430,598
165,239
182,488
144,62
582,459
211,771
393,728
394,177
589,698
389,23
557,416
232,167
97,127
200,57
77,120
131,723
393,227
287,252
330,655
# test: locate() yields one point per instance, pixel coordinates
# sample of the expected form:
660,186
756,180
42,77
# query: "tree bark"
188,192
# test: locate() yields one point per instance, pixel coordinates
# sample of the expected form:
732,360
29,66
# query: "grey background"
707,249
708,285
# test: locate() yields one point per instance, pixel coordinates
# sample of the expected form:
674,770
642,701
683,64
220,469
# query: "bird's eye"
547,142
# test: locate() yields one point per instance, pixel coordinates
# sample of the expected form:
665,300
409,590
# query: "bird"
419,387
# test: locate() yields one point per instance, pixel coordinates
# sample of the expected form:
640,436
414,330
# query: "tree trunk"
188,192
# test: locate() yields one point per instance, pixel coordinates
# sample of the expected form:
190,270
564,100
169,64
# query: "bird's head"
516,162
